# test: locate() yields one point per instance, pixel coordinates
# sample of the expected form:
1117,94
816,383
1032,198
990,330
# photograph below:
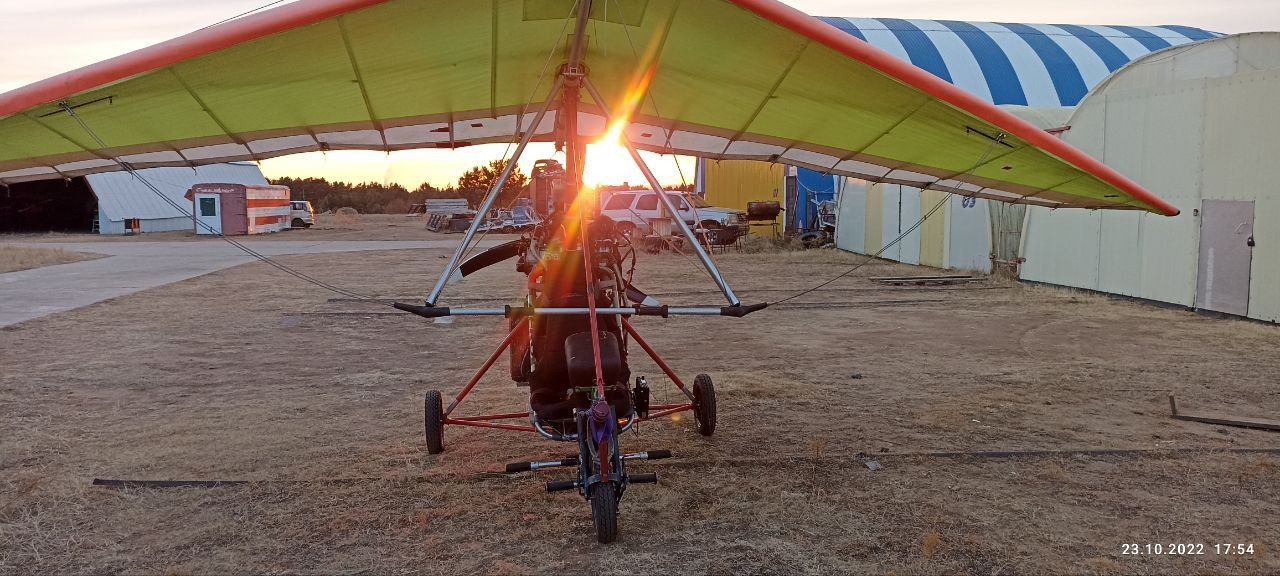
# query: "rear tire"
604,511
433,407
704,404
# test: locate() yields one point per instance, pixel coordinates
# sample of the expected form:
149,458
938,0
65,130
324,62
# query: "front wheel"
604,511
298,223
704,404
433,407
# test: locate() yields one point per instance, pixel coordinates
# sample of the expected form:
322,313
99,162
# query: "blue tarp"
811,187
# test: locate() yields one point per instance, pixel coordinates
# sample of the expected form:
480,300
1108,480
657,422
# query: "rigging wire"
998,140
670,150
243,14
188,214
524,110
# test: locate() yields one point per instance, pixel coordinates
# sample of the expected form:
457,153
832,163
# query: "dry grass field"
247,375
327,227
15,258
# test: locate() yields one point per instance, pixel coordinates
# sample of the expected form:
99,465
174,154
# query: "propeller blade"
499,253
635,296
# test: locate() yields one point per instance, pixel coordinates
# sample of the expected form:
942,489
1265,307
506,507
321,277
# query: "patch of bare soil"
246,374
15,258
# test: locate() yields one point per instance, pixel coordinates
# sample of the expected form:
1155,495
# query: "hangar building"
1039,67
1197,125
104,203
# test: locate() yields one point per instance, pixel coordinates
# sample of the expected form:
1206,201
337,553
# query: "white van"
301,214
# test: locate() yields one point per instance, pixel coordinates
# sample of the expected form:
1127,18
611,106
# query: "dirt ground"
246,374
15,258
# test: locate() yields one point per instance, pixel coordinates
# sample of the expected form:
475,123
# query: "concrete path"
136,266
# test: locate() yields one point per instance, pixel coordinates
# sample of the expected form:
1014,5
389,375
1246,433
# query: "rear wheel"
433,406
704,404
604,511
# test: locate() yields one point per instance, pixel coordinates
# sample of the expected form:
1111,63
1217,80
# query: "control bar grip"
739,310
423,311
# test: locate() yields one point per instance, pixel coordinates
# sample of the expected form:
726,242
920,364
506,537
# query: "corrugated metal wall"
908,214
872,215
116,227
1248,168
121,196
872,241
933,232
968,234
851,218
733,183
1192,124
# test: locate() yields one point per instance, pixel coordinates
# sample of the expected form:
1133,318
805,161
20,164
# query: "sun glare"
608,162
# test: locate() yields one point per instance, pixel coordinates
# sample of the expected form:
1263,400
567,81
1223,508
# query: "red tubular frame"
653,354
506,342
488,420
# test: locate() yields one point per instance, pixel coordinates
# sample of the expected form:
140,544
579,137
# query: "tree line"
365,197
375,198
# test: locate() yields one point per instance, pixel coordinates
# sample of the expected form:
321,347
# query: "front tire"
704,404
298,223
604,511
433,406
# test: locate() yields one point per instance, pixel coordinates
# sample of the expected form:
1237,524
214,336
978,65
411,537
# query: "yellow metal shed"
734,183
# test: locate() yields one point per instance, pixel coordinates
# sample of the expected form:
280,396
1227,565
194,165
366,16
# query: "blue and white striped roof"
1023,64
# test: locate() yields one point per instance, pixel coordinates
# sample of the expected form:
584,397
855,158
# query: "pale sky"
47,37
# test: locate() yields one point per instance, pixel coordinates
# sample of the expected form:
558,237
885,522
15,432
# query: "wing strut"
493,192
571,78
666,202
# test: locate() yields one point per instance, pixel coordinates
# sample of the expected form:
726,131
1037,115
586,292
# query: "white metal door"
208,214
1226,256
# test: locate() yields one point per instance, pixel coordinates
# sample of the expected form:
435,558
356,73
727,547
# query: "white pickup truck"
633,209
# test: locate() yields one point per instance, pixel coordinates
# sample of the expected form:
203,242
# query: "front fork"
599,455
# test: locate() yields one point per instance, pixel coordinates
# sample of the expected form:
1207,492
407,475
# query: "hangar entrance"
48,206
1226,256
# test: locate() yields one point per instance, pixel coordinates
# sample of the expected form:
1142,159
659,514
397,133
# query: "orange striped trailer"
239,209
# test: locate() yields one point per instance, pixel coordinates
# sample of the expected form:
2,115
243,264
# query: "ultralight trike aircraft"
720,79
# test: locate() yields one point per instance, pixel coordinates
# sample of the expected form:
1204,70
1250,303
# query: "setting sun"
608,162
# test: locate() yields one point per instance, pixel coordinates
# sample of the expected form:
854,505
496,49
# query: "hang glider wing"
748,79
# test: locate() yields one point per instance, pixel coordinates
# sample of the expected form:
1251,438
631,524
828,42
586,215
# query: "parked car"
633,209
301,214
518,220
